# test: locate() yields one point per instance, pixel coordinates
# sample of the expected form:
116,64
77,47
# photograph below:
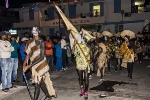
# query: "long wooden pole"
78,45
76,42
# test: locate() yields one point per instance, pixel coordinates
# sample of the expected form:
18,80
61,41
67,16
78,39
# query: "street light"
122,13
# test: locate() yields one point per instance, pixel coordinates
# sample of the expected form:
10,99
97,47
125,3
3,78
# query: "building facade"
112,15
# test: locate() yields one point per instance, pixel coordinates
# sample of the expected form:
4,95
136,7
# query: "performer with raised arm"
82,66
35,50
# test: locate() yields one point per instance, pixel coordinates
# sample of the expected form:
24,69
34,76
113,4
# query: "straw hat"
128,33
106,33
102,45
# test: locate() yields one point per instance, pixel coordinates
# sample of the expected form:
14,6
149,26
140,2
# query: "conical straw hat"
128,33
106,33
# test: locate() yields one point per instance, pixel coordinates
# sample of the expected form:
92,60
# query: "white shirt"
63,44
5,49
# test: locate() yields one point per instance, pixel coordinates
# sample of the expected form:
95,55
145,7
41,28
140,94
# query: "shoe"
48,98
86,96
101,80
64,68
13,86
128,75
16,81
82,92
90,76
6,90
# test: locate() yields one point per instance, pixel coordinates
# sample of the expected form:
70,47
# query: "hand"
39,47
25,68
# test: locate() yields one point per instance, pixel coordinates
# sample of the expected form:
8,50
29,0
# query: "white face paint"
126,39
35,31
105,38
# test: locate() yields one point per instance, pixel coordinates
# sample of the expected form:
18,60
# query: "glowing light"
75,0
138,3
6,3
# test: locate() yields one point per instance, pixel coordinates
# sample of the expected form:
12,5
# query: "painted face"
35,31
105,37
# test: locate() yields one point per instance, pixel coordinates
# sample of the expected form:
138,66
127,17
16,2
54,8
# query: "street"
116,86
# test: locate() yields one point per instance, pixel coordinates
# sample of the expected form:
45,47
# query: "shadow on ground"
108,85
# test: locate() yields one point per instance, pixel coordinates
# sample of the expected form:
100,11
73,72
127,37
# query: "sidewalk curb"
12,91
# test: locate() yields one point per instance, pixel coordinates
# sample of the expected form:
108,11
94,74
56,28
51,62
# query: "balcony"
44,22
85,19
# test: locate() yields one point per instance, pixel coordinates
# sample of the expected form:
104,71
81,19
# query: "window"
138,6
96,10
118,28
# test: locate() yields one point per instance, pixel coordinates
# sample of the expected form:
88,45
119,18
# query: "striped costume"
41,69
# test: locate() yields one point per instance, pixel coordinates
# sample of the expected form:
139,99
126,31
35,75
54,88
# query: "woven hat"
127,33
102,45
106,33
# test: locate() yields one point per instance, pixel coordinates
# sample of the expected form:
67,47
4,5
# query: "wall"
21,32
46,30
135,27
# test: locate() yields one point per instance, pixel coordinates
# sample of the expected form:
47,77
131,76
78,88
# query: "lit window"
138,6
96,10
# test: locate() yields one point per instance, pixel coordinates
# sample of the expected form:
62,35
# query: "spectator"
64,52
58,56
9,37
49,52
14,58
5,61
23,56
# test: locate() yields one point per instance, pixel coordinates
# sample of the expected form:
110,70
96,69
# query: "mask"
35,31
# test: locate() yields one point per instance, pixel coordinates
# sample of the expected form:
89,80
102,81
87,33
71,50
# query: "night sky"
18,3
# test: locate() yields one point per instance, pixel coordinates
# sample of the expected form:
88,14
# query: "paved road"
116,86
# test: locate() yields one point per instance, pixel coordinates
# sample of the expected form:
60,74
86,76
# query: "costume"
83,68
127,51
138,50
40,69
102,61
118,56
82,65
108,47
